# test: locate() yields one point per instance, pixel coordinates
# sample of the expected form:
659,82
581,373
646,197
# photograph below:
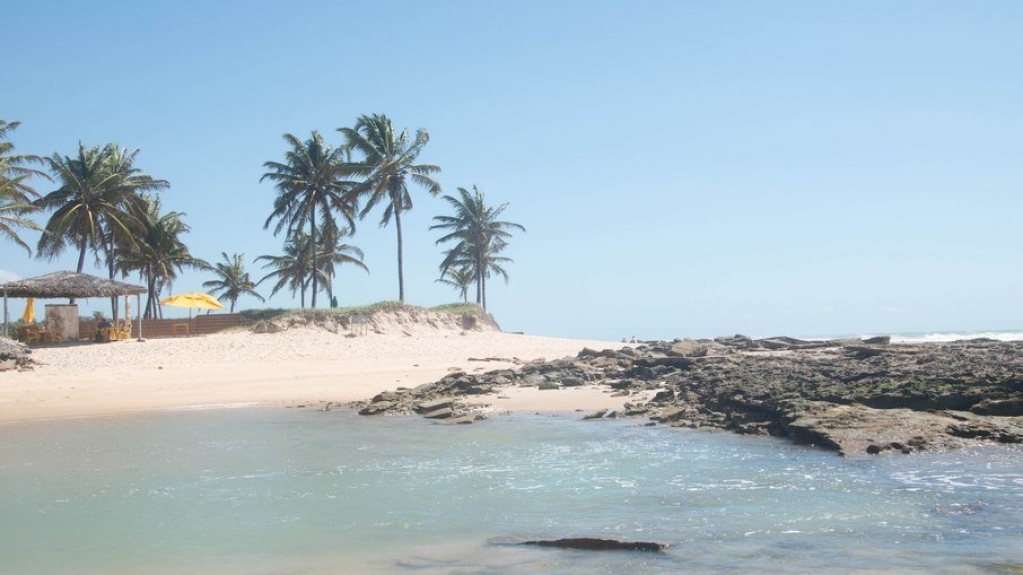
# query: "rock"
688,348
386,396
376,407
879,340
442,413
850,396
599,414
462,420
588,544
434,405
1008,407
774,343
14,353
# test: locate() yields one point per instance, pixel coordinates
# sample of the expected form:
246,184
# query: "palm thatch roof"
69,285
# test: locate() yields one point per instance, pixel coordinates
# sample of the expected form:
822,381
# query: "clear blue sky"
683,168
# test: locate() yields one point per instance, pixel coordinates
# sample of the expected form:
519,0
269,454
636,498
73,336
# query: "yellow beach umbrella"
193,300
30,311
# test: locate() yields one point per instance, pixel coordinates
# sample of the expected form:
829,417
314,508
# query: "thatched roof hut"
69,285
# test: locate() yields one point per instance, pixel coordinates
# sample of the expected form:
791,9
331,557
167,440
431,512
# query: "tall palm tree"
97,204
460,278
158,253
292,269
480,237
15,193
388,164
232,280
311,188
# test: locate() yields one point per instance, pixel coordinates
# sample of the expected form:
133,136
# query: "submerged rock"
589,544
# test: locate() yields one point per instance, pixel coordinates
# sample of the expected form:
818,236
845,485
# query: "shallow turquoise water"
290,491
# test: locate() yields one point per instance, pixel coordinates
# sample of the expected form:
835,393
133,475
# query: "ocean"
298,491
947,336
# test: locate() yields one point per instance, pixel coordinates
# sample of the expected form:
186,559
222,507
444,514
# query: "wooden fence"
160,328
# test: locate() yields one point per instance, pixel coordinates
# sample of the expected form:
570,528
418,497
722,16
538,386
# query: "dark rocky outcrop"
590,544
852,396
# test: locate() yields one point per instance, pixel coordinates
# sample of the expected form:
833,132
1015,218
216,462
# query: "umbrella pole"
5,314
138,313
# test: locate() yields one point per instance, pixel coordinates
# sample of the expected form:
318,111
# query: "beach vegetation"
479,236
232,280
333,253
293,268
14,214
461,278
311,191
97,204
270,314
16,194
263,314
387,164
300,264
158,253
461,308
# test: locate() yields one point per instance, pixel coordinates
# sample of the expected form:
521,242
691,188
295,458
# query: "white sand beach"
304,366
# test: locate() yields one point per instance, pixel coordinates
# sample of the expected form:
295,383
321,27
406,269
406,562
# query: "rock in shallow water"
589,544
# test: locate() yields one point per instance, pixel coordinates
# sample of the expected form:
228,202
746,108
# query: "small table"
180,328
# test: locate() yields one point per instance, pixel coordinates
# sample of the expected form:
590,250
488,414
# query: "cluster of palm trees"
318,183
102,205
105,206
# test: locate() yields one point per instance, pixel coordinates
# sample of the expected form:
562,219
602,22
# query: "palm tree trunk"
150,299
81,257
110,269
479,278
401,276
312,241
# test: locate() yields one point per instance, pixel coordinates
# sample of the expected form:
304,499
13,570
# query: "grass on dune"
275,313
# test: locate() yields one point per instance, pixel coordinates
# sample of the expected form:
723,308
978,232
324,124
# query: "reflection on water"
294,491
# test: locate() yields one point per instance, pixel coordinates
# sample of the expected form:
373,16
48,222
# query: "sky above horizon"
683,169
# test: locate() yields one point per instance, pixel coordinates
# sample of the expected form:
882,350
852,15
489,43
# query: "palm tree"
233,281
15,193
460,278
14,170
97,204
293,269
334,253
13,211
310,189
388,164
481,236
158,253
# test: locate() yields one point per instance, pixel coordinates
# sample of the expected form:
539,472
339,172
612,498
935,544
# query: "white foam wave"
941,337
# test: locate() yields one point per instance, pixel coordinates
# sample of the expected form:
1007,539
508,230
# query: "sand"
303,366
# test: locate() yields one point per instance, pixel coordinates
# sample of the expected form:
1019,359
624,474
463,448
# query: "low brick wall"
161,328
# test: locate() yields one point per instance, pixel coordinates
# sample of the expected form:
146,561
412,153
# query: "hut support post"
5,314
138,312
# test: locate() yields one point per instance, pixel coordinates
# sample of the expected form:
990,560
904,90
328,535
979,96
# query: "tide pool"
295,491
